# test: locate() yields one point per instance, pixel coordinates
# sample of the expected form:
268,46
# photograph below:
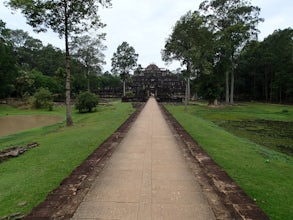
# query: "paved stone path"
146,178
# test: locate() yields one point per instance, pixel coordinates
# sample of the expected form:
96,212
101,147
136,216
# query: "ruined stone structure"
158,82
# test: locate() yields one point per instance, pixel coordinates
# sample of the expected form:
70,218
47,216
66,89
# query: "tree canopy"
89,51
190,43
265,70
209,42
8,70
67,18
234,23
124,60
25,68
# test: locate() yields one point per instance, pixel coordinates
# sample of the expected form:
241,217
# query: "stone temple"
158,82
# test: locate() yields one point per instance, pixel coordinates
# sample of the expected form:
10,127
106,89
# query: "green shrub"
129,94
43,99
86,102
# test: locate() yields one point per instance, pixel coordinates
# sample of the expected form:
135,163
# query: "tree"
43,99
31,54
86,101
249,78
234,22
109,81
26,49
209,88
88,51
265,68
191,43
4,32
8,71
124,60
277,64
64,17
18,37
49,59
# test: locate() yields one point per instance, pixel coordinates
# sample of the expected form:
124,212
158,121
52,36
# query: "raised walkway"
147,177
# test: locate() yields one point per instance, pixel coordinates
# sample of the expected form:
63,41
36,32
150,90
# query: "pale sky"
146,24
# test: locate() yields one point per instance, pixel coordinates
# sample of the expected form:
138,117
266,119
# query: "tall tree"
124,60
65,17
26,48
190,43
18,37
266,68
88,51
50,59
8,72
235,22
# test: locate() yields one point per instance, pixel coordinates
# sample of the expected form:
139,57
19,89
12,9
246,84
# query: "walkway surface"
146,178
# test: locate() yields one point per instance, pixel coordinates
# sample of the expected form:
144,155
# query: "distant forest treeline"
26,65
264,69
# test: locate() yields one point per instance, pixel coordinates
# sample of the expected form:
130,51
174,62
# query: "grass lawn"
25,181
264,174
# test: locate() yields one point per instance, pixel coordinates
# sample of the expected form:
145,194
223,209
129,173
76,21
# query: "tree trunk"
88,81
124,88
232,86
266,87
186,97
69,121
188,82
188,89
280,95
254,87
227,87
271,91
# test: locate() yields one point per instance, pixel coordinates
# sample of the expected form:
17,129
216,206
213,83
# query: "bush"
285,111
86,102
129,94
43,99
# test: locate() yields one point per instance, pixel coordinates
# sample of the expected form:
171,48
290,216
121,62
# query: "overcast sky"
146,24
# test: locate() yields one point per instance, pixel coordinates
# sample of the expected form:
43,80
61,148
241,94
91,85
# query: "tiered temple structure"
161,83
158,82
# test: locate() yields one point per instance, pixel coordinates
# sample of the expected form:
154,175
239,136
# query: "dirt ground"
226,198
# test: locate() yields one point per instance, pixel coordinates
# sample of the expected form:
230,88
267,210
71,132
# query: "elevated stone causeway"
147,177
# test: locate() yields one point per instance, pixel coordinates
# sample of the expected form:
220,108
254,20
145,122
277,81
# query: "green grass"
264,174
277,135
9,110
30,177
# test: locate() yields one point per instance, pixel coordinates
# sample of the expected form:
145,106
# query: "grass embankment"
25,181
264,174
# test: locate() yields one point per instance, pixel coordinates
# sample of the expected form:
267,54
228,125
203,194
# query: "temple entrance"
152,92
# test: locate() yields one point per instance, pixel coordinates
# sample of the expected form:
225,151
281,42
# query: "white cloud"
277,15
15,20
146,24
143,24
